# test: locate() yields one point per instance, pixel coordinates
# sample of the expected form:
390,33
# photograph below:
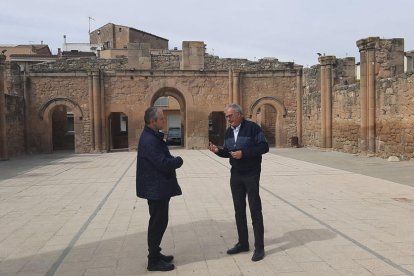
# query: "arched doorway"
270,113
172,102
118,127
63,128
266,118
62,118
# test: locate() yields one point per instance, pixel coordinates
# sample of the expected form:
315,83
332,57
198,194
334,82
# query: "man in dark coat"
156,181
244,144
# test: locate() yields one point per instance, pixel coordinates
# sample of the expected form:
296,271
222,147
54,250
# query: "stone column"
363,96
410,60
236,82
371,101
26,96
91,112
327,63
367,48
322,142
103,117
3,135
97,113
299,105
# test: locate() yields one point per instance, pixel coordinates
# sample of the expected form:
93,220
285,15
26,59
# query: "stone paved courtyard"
67,214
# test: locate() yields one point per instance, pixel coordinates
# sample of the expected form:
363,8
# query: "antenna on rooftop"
90,18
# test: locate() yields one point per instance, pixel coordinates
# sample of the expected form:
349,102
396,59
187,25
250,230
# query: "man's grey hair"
151,114
235,107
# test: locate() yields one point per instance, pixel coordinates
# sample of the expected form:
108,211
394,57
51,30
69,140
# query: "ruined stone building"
96,104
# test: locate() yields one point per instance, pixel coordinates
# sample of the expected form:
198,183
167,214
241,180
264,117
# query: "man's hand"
213,148
237,154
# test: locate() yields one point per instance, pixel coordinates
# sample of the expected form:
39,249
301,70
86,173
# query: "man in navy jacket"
244,144
156,181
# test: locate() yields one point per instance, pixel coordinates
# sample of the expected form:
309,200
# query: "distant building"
29,49
24,55
111,36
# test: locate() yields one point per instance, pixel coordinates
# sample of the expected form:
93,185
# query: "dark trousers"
240,186
158,210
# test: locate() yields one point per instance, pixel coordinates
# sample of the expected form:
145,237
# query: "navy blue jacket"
156,178
252,142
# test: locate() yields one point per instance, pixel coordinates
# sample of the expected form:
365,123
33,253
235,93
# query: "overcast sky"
290,30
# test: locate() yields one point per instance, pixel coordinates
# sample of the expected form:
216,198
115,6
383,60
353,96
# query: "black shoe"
238,248
258,255
160,266
166,258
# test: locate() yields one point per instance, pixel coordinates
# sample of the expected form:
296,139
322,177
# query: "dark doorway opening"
118,122
63,129
266,118
216,127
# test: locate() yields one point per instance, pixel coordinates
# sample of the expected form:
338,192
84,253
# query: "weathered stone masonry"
93,88
372,116
322,106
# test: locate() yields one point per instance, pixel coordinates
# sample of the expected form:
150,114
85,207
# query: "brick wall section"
15,125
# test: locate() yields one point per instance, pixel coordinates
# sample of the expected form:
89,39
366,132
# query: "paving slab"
325,213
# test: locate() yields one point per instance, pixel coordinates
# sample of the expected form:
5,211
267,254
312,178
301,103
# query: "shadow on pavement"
298,238
127,254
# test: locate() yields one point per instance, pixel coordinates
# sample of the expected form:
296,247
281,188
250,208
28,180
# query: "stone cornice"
327,60
368,43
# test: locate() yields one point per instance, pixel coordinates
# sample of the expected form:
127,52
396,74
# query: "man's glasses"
230,116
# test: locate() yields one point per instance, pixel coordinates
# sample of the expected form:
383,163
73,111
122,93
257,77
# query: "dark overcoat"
156,178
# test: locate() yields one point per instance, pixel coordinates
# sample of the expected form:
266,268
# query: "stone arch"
45,111
281,113
45,114
179,96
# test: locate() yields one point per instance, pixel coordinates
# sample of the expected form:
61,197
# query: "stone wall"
389,56
280,88
345,71
13,80
345,121
311,105
165,62
224,64
15,125
395,116
394,106
79,64
43,90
